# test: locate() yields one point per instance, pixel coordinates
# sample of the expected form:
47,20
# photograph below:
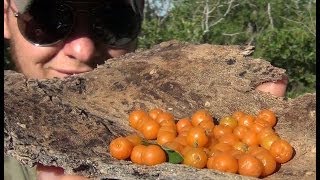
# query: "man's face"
77,53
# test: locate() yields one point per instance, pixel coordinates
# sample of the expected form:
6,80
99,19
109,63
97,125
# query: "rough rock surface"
70,122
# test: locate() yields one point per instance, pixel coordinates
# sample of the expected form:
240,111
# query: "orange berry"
224,162
183,123
223,147
240,131
281,150
185,149
238,114
199,116
197,137
221,130
266,132
195,157
250,138
208,127
165,137
152,155
136,154
268,161
120,148
164,116
150,129
143,121
259,124
241,146
170,124
235,153
267,141
181,140
268,116
174,145
246,120
134,139
153,113
184,133
229,138
249,165
213,152
212,141
136,118
229,121
254,150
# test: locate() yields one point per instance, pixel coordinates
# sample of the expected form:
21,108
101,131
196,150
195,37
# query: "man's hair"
137,6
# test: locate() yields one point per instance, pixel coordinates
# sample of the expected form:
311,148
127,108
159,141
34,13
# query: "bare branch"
235,6
313,22
229,8
251,4
270,17
215,7
205,26
232,34
208,11
301,23
224,15
217,22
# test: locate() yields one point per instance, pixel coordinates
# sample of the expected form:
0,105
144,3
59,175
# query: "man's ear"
6,10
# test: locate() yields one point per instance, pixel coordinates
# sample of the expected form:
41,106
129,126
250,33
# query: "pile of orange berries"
240,143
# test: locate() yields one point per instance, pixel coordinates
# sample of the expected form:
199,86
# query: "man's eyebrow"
88,4
83,5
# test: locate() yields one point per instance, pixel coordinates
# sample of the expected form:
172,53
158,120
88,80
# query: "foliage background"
283,32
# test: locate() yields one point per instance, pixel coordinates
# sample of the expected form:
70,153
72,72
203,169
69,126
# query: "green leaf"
173,156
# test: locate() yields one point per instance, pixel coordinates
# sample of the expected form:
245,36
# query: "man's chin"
55,173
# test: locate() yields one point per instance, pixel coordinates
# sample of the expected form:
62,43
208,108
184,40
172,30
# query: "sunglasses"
46,23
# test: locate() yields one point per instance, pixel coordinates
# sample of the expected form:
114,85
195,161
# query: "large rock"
70,122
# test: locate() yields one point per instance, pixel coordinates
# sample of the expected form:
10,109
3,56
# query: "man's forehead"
23,4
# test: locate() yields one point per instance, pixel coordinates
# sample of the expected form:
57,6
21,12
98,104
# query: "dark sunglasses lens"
45,26
116,24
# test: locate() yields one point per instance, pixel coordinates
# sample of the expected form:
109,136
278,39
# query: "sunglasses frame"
20,17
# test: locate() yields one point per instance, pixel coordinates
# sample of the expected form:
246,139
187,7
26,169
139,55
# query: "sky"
162,6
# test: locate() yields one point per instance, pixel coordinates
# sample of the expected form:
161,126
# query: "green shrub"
293,50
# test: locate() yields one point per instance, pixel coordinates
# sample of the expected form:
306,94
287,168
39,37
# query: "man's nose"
80,45
80,48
